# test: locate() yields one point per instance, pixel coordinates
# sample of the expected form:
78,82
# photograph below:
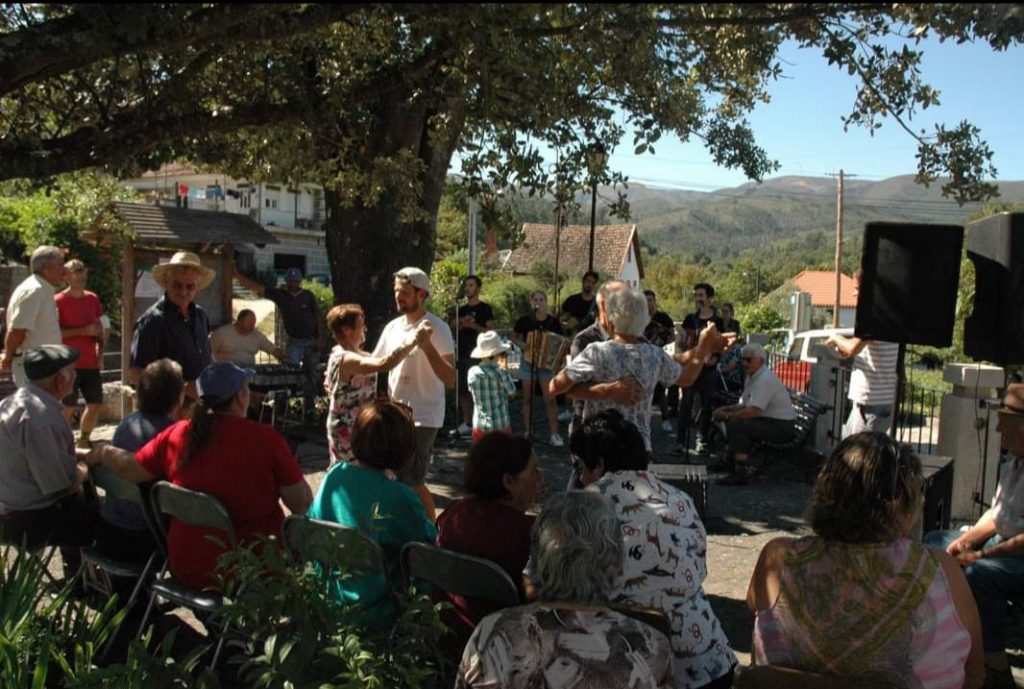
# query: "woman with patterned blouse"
569,638
351,376
665,543
858,598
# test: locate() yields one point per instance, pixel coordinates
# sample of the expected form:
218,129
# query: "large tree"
372,101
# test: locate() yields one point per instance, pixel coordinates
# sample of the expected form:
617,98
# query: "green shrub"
298,637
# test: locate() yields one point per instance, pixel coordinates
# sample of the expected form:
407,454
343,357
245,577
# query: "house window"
270,203
245,199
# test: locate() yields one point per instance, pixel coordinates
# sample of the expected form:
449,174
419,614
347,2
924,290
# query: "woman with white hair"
569,637
624,355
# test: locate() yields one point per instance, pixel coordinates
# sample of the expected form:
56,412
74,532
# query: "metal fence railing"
916,421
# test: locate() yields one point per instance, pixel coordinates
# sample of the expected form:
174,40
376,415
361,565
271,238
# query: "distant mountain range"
728,222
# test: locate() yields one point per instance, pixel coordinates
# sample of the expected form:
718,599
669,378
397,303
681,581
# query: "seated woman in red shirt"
244,464
503,480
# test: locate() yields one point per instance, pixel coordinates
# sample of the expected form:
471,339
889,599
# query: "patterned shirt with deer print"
665,567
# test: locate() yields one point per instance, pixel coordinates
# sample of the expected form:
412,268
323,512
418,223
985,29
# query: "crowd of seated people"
858,598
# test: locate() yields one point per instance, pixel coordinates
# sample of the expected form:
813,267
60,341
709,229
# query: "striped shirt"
490,387
873,380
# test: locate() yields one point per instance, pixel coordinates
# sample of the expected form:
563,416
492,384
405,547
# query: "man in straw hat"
41,500
175,327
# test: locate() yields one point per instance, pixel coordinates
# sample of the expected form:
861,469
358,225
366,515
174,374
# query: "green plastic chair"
459,574
115,487
194,508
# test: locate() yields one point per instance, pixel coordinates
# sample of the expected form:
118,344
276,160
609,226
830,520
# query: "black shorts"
89,382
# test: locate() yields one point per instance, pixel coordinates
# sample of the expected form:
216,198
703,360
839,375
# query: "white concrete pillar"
824,386
967,433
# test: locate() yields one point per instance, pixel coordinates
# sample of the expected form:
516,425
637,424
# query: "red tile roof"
821,284
611,244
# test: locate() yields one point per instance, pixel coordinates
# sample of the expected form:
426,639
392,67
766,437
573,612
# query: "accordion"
546,350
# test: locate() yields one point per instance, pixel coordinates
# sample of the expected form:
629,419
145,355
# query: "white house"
294,215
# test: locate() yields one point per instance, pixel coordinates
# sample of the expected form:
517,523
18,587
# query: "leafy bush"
760,319
298,637
55,640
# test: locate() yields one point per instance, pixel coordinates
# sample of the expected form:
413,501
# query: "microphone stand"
534,356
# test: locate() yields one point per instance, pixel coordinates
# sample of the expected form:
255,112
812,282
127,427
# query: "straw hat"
183,259
488,344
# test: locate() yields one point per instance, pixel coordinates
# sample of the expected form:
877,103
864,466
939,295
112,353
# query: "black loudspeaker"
908,284
995,329
938,494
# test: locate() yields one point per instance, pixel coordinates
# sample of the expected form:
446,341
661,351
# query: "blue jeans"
994,581
301,351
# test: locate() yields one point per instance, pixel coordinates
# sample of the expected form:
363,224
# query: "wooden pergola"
155,233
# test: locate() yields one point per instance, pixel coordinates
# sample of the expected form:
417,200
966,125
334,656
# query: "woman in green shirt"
364,494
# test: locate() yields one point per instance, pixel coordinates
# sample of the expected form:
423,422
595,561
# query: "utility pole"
839,244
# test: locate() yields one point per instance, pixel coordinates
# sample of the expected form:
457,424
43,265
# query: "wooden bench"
808,409
692,479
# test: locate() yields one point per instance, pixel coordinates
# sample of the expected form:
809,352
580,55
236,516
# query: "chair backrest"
112,485
190,507
332,545
774,677
652,617
459,574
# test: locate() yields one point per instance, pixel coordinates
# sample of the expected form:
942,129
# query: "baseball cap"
221,381
44,361
292,274
414,276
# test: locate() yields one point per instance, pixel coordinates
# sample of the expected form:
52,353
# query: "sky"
801,126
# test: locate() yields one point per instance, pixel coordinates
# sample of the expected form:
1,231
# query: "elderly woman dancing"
569,638
858,598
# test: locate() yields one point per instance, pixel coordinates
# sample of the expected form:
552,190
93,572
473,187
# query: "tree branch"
60,45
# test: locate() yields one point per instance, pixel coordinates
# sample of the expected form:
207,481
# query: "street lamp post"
595,162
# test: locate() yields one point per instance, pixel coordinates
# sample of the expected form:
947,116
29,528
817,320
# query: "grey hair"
576,551
541,292
627,310
45,256
756,349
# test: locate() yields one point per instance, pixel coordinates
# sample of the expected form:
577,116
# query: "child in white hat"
490,385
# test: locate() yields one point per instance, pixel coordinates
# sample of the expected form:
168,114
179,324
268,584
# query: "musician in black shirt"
693,324
538,320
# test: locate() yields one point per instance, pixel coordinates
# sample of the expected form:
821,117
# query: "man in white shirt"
32,319
239,342
992,551
420,379
764,413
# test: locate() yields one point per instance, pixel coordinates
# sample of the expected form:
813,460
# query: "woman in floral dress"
351,377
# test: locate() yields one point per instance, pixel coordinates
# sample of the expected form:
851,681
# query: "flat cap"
46,360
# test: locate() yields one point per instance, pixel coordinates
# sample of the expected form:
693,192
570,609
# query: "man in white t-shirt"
765,412
32,319
239,342
420,379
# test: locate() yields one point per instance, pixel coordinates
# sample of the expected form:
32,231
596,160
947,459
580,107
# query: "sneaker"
667,426
565,416
465,429
556,440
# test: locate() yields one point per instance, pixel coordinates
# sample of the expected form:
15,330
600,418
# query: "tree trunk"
367,245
